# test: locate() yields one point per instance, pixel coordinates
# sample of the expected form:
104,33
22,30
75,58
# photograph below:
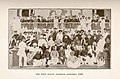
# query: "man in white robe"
59,36
21,52
73,61
67,51
100,45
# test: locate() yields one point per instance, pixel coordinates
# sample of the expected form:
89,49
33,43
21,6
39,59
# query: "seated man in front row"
34,57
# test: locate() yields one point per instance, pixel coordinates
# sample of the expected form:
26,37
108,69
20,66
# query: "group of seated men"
54,47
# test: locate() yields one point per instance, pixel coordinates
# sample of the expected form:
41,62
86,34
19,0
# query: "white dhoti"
20,59
75,64
100,62
54,61
91,61
40,62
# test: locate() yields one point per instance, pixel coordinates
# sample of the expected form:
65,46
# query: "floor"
59,67
14,65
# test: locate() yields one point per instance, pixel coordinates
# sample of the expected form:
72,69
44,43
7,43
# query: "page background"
114,72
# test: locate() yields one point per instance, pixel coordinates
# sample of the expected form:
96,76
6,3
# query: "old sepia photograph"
59,38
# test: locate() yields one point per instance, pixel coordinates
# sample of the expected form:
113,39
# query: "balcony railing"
49,25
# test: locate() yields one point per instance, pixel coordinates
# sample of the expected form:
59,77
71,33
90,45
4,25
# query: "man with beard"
66,39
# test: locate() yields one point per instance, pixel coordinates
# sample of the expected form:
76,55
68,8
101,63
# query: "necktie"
94,47
83,42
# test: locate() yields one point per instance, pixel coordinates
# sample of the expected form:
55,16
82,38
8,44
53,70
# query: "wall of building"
87,12
44,13
11,15
107,12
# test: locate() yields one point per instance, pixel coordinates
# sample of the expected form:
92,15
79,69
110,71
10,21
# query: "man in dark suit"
54,34
34,40
15,35
78,35
98,35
